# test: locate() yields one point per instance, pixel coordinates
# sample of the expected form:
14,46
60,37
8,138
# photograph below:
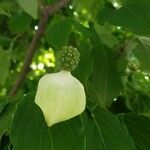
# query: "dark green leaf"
139,128
79,28
106,36
4,41
30,7
84,68
4,65
6,118
105,77
49,1
105,132
20,22
6,8
3,104
142,52
30,132
58,31
88,6
133,15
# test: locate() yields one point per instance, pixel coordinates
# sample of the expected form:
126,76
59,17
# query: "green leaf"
106,36
3,104
88,6
6,117
133,15
105,132
79,28
4,41
30,7
30,132
6,8
142,52
105,77
20,22
49,2
139,102
5,142
58,31
139,128
4,67
84,68
92,96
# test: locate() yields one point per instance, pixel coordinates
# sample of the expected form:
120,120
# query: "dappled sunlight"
116,5
45,59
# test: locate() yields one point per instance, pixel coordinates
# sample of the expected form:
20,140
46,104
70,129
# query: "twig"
121,48
47,11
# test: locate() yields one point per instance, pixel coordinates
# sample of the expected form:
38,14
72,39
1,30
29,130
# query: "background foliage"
113,37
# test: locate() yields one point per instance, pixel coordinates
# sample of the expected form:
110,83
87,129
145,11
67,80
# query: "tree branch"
47,11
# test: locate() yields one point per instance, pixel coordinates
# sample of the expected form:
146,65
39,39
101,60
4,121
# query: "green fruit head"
68,58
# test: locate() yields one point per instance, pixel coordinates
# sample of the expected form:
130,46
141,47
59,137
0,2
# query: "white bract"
60,96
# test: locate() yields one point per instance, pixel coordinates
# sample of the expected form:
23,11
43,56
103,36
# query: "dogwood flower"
60,95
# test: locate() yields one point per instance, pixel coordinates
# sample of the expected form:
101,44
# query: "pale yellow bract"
60,96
